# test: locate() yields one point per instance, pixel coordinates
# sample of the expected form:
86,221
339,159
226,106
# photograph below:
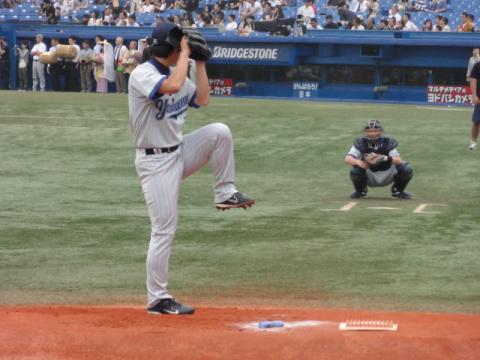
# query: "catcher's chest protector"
382,146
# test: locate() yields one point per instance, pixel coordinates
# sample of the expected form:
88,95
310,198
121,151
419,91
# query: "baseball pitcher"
158,100
376,162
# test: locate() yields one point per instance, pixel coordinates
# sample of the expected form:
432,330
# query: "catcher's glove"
375,159
199,49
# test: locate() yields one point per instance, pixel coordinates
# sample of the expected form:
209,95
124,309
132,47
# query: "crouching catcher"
376,162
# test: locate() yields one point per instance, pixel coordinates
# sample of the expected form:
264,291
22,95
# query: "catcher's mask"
167,33
373,125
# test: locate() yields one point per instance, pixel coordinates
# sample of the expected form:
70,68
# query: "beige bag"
66,51
48,58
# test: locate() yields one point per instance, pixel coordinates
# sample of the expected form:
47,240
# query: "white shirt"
134,25
40,47
397,16
306,11
147,8
93,22
75,60
231,26
157,121
256,9
244,8
410,26
309,27
358,28
446,28
353,6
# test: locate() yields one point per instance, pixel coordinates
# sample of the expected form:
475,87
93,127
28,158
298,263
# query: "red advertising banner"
220,87
449,94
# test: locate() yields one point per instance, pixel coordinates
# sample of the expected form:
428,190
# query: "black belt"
153,151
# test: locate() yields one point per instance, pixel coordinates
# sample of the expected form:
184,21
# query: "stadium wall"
328,64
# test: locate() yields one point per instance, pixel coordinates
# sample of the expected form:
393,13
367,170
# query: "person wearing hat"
158,100
376,162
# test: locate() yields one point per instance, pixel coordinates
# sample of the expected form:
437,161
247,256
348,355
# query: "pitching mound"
62,332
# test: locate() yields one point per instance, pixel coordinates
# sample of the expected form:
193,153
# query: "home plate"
253,326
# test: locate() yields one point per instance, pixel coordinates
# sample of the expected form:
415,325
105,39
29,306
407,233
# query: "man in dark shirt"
5,63
329,24
475,87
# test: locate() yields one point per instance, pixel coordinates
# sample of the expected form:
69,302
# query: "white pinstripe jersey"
156,120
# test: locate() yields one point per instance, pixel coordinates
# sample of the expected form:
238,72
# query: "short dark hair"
408,15
313,19
100,37
86,42
328,17
445,20
132,16
384,21
73,37
471,16
162,50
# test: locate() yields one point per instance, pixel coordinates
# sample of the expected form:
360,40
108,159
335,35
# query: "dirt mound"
78,332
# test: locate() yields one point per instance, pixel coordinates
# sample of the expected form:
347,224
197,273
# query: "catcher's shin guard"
359,179
403,177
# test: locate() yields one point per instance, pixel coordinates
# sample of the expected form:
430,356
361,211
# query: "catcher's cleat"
401,195
358,194
170,306
237,200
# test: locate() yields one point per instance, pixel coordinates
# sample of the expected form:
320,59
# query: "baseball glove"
198,46
375,159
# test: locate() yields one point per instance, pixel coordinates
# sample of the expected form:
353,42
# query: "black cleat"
401,195
237,200
170,306
358,194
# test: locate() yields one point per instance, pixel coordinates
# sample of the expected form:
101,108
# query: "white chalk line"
253,326
347,207
420,209
441,108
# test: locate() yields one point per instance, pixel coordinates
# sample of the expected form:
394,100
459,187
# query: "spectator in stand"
99,70
49,11
346,16
108,18
329,24
255,10
146,7
392,23
216,10
122,18
370,24
357,24
394,12
374,8
353,5
244,8
267,11
207,21
55,70
463,20
199,23
383,25
245,28
444,24
231,24
468,24
71,67
189,5
438,23
438,6
85,19
219,22
313,25
277,13
408,23
95,20
5,63
23,57
306,11
427,25
86,66
132,21
363,6
8,4
38,69
119,53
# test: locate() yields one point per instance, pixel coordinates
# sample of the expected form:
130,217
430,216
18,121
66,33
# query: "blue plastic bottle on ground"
270,324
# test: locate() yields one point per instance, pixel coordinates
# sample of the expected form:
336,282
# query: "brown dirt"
79,332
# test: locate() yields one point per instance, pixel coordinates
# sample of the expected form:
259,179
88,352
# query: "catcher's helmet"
373,124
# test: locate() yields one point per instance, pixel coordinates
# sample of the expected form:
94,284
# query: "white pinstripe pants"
161,176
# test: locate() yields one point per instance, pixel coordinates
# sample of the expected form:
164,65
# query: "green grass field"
74,227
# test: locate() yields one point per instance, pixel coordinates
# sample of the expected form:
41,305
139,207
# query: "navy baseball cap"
167,32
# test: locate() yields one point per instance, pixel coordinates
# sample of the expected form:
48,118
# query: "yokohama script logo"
220,52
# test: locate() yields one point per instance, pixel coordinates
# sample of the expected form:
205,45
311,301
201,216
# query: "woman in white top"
95,20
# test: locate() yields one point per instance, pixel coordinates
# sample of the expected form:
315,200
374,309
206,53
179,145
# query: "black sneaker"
237,200
402,195
358,194
170,306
